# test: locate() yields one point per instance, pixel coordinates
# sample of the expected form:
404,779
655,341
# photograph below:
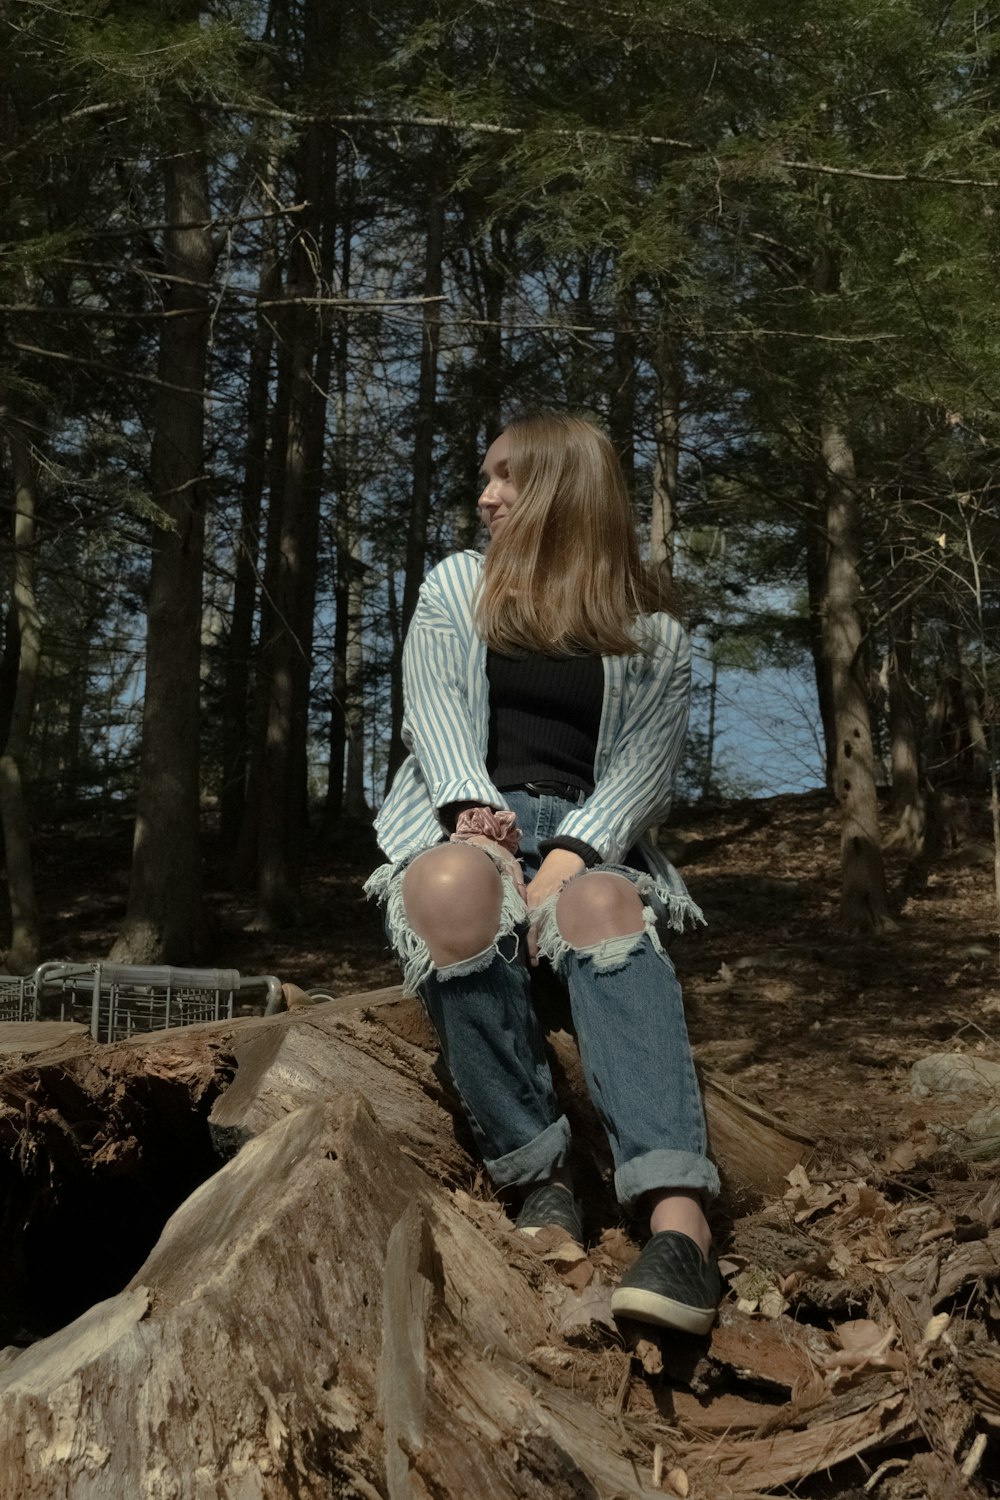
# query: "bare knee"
453,895
595,906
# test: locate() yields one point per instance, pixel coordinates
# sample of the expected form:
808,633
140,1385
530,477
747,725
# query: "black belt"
551,789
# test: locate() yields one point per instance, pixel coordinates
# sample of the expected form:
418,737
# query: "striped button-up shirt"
446,727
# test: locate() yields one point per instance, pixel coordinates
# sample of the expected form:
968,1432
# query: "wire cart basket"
118,1000
17,997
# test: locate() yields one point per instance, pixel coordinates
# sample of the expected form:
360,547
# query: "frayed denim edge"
385,885
612,953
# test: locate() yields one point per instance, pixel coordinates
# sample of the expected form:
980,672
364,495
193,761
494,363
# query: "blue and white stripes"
446,727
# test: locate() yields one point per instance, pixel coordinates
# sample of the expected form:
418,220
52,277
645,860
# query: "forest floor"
822,1027
857,1346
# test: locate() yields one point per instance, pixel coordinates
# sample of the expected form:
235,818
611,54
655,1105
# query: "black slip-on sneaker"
551,1208
672,1284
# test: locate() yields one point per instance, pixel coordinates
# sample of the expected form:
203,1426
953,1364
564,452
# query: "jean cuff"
657,1171
534,1162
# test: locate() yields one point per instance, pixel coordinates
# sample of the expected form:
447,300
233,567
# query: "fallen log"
317,1318
323,1314
755,1150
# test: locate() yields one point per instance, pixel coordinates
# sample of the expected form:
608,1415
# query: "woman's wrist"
562,862
587,853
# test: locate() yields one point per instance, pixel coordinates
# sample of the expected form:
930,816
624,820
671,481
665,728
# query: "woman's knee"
594,907
453,896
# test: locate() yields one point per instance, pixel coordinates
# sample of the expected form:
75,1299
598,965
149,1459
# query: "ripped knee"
453,898
448,912
591,919
597,906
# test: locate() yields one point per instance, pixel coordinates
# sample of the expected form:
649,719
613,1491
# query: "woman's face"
499,494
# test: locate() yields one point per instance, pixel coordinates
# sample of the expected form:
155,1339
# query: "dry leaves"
783,1390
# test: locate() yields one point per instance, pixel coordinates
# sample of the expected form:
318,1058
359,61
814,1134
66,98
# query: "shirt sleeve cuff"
483,793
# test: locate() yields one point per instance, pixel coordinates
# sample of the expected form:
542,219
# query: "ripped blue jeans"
629,1019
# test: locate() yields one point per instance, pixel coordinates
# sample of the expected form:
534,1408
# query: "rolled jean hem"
534,1162
659,1171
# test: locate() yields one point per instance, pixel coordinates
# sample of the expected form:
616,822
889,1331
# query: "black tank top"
545,717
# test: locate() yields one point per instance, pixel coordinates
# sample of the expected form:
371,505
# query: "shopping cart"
17,997
118,1000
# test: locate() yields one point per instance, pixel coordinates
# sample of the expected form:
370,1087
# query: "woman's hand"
558,866
503,857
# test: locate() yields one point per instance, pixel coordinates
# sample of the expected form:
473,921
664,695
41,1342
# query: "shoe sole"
664,1312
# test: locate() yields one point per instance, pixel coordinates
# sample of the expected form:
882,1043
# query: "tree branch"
130,375
486,127
58,124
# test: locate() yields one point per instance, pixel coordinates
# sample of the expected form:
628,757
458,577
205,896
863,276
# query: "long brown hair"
565,576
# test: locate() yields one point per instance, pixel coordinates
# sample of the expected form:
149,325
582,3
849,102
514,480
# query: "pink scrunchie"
501,827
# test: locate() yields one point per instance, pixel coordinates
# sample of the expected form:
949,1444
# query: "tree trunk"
488,264
315,458
864,904
164,918
8,670
663,522
979,752
816,568
713,693
904,748
423,459
244,863
79,690
345,798
346,536
236,691
621,411
25,936
493,376
355,802
287,648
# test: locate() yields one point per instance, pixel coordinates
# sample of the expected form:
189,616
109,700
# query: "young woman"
546,703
